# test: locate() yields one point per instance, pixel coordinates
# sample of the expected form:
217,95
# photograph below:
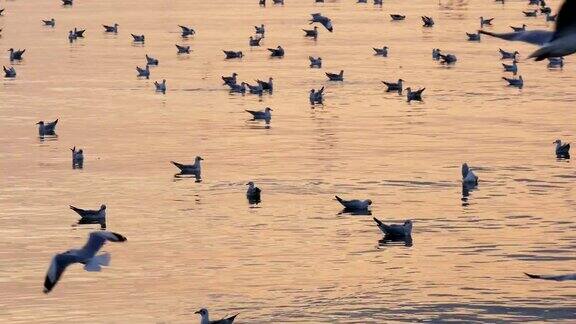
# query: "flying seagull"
325,21
86,255
354,204
536,37
563,41
205,317
92,216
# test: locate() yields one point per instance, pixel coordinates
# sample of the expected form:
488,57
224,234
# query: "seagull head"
268,109
369,202
199,158
80,151
203,312
557,142
103,207
250,184
40,123
11,50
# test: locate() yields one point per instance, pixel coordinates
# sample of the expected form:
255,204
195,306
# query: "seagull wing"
56,269
536,37
97,239
566,22
556,278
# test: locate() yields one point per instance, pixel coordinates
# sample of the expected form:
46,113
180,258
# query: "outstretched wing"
566,22
56,269
97,239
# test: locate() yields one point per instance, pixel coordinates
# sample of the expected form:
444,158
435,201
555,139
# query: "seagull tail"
78,210
231,318
380,224
339,199
178,165
103,259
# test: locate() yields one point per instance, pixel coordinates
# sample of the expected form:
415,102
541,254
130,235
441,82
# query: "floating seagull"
317,96
86,255
50,22
9,72
138,38
325,21
230,79
151,61
555,62
233,54
519,29
143,73
311,32
381,51
204,312
280,2
414,95
428,21
77,158
508,55
533,13
262,3
362,1
485,22
257,89
555,278
72,36
267,86
47,128
562,150
67,2
277,52
394,230
436,54
397,17
265,114
16,55
545,10
183,49
394,86
550,17
473,36
79,33
254,41
237,88
335,77
448,59
354,204
315,62
511,67
187,31
517,83
253,193
195,168
260,30
160,87
563,41
468,176
111,29
92,216
536,37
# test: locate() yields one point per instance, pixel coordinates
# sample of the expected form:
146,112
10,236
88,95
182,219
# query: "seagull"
335,77
281,2
468,176
79,33
511,67
111,29
50,22
533,13
394,86
47,128
253,193
550,17
311,32
395,231
519,29
397,17
72,36
67,2
151,61
485,22
254,41
562,150
315,62
77,158
517,83
92,216
277,52
260,30
555,278
355,204
473,36
533,2
86,255
187,31
138,38
9,72
545,10
237,88
436,54
563,41
317,96
230,79
233,54
555,62
414,95
267,86
183,49
508,55
143,73
378,2
265,114
262,3
448,59
204,312
381,51
257,89
190,168
16,55
325,21
428,21
160,87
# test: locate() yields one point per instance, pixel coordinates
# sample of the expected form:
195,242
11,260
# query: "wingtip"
533,276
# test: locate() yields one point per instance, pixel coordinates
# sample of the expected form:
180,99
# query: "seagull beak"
197,312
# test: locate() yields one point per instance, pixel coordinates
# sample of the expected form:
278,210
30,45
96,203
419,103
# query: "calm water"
293,258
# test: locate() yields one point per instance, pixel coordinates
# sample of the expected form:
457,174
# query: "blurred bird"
335,77
111,29
325,21
414,95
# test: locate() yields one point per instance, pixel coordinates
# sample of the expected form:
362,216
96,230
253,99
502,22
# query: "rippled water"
294,258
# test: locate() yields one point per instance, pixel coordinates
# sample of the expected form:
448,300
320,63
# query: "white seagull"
355,204
206,318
